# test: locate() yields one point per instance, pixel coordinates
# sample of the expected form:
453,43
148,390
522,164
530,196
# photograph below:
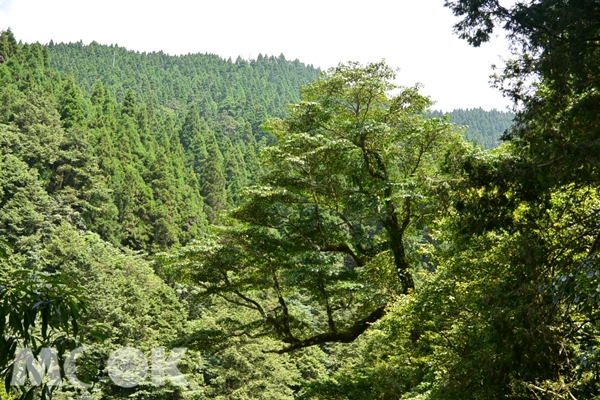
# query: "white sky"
413,35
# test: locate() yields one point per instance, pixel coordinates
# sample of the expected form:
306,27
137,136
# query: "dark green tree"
483,128
8,44
72,111
192,127
510,312
212,180
556,49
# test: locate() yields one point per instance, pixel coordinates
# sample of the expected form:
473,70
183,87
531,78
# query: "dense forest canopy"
305,234
92,174
484,128
226,92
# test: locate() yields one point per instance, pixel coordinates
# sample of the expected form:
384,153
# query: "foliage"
355,171
36,311
56,306
510,311
229,95
553,75
128,305
376,254
483,128
84,179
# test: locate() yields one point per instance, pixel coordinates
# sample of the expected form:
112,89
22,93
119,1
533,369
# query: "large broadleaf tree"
330,235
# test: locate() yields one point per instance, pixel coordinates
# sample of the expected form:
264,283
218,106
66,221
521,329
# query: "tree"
554,76
192,127
129,104
72,112
356,170
125,301
235,171
483,128
511,312
212,179
8,44
37,310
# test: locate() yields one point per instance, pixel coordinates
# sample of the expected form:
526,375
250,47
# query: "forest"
483,128
302,234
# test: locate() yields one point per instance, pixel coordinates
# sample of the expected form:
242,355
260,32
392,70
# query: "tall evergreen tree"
192,127
72,111
8,44
213,185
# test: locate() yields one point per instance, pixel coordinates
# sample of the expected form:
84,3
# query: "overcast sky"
413,35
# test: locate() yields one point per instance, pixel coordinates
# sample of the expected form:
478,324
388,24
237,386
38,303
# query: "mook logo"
127,367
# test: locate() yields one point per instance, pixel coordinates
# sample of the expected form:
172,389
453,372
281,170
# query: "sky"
415,36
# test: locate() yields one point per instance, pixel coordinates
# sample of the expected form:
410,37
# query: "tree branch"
344,248
346,336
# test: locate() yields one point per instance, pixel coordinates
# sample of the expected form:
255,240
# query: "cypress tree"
212,180
8,44
72,112
129,104
235,171
190,129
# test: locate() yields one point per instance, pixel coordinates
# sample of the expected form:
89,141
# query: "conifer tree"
197,156
72,111
8,44
129,104
212,180
235,171
191,128
164,213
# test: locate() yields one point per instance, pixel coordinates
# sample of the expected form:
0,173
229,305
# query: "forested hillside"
350,245
228,94
212,108
95,178
483,128
172,149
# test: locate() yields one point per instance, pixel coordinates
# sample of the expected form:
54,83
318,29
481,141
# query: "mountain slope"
484,128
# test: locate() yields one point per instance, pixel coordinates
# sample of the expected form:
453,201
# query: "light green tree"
357,169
